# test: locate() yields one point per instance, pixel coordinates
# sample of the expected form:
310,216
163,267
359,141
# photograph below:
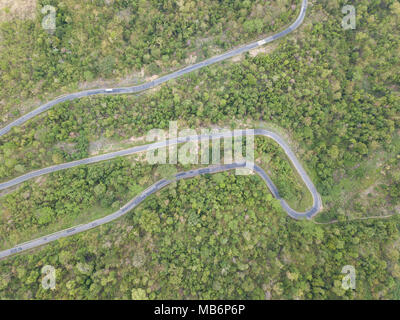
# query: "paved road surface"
182,175
316,206
156,82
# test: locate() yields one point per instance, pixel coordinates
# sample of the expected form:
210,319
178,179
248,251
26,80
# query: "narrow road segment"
317,203
156,82
315,208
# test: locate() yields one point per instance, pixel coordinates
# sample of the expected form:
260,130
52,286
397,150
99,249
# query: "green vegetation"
217,236
334,93
338,120
66,199
285,177
79,195
98,40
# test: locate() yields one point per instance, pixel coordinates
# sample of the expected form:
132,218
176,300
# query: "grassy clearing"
359,194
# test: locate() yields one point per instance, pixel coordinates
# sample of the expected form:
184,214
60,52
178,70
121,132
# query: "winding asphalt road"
156,82
316,206
317,203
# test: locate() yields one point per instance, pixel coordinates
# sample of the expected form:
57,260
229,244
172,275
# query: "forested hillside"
221,236
121,39
333,94
79,195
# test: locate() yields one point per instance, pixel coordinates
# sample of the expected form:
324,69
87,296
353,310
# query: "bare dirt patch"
104,145
191,59
265,49
237,58
17,9
128,80
151,78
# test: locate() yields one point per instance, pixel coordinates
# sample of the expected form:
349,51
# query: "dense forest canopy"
333,93
119,39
